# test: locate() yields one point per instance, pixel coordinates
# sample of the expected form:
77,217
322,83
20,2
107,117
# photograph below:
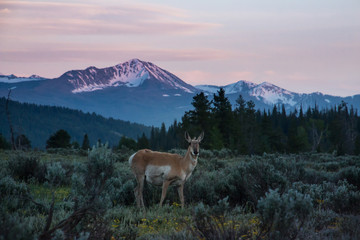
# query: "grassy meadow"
74,194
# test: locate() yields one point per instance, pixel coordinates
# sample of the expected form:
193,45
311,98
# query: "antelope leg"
165,186
181,194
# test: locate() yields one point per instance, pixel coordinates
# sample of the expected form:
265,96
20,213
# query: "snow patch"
238,87
272,94
15,79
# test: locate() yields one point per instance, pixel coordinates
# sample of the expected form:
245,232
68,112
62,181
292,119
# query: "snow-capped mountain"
142,92
133,73
14,79
264,92
271,94
266,95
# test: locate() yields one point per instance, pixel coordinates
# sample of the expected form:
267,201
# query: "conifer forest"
261,174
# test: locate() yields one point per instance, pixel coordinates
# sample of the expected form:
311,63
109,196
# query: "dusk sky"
301,45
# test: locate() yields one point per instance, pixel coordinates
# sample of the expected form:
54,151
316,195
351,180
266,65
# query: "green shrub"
253,179
351,175
55,174
26,166
339,197
13,195
323,219
282,216
13,226
349,226
211,164
290,166
344,198
216,223
121,189
312,176
19,216
201,187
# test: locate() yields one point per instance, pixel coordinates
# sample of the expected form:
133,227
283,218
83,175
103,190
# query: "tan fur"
164,169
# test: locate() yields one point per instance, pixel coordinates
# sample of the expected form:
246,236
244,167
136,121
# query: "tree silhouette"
86,142
22,142
60,139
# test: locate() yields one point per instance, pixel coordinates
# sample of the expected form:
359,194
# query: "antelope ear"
187,137
201,137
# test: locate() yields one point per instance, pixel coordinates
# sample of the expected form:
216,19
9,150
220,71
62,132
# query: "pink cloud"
75,18
93,53
4,11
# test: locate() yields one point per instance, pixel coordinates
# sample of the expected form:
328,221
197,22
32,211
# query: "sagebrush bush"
19,216
13,226
253,179
351,174
339,197
283,215
55,174
313,176
201,187
24,167
121,189
289,166
219,222
67,151
13,195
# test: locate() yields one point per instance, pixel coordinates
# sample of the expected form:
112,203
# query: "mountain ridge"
142,92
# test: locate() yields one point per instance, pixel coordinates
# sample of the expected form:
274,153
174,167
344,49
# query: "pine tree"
154,138
240,125
162,137
3,143
199,119
86,142
60,139
252,131
223,116
127,143
143,142
357,145
267,133
22,142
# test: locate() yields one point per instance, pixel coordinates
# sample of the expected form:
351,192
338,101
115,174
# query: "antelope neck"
192,157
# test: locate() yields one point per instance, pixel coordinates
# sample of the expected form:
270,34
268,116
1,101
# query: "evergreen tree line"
241,128
33,124
249,131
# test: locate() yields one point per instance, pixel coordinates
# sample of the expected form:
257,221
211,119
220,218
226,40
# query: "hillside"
39,122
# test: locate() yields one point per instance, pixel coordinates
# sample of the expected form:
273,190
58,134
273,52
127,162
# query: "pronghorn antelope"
164,169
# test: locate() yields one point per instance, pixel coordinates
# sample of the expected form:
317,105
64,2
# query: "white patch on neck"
192,158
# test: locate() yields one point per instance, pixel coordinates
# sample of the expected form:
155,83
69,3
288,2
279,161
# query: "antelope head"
194,144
